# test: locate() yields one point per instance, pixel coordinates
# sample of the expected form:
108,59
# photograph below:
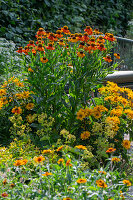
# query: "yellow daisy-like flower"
2,92
47,174
81,114
115,159
81,180
127,182
101,183
67,198
126,144
18,163
85,135
39,159
81,147
47,151
29,106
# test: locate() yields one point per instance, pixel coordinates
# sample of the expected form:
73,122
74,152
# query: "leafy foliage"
19,18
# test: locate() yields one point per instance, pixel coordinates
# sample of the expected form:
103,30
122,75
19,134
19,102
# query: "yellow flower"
81,180
115,159
39,159
127,182
126,144
47,151
81,114
2,92
29,106
81,147
101,183
18,163
85,135
67,198
61,160
47,174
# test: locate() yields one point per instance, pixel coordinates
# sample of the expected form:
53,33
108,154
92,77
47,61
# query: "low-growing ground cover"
64,143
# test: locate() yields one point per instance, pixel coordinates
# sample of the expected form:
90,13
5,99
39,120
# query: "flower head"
101,183
81,180
39,159
81,147
126,144
110,150
17,110
85,135
47,174
127,182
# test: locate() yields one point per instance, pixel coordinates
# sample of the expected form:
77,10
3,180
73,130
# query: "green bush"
19,18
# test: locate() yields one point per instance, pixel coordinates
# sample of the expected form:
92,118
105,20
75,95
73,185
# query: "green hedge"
20,19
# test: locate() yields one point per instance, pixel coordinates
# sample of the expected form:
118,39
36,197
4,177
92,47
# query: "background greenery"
19,19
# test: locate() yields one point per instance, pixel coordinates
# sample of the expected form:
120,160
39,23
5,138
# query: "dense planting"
64,143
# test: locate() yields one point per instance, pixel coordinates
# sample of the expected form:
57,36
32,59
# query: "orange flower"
50,46
44,60
101,183
39,47
100,39
59,148
115,159
111,150
92,46
58,34
31,43
102,172
117,55
29,106
47,174
39,159
81,180
18,163
17,110
110,37
30,70
20,50
67,198
127,182
85,37
40,32
101,47
88,30
81,54
107,58
68,163
65,30
61,160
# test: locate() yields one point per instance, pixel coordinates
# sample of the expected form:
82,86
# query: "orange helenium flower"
81,180
17,110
